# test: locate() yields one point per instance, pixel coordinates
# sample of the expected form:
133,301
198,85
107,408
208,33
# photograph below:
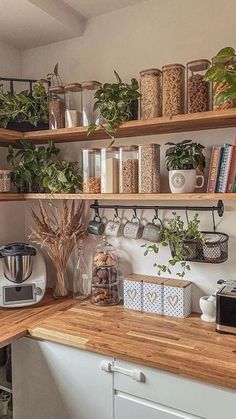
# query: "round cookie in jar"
105,254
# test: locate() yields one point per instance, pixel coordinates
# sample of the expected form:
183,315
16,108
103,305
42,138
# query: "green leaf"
215,74
224,54
91,129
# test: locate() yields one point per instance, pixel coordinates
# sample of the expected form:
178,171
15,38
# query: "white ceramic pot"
184,181
208,307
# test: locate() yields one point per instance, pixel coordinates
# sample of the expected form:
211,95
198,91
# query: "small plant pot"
190,249
184,181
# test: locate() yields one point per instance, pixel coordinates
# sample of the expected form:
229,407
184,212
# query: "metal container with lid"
56,107
91,170
110,170
73,113
90,116
17,261
151,93
129,169
198,98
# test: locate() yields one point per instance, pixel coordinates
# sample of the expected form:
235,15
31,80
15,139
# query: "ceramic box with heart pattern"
153,294
177,298
133,291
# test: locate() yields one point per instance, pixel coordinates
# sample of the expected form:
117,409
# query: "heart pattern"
152,296
132,293
173,299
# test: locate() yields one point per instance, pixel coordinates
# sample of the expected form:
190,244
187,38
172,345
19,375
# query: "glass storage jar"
173,89
5,180
149,168
90,116
73,114
105,280
151,94
110,170
91,170
198,92
56,107
129,169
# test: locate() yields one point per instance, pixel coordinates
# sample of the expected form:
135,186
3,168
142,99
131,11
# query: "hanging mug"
133,229
96,226
153,232
114,227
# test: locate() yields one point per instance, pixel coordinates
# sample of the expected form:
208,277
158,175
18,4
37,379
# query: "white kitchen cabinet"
52,381
129,407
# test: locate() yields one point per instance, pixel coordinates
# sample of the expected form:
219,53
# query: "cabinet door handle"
135,374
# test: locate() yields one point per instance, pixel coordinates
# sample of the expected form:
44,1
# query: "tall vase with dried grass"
59,233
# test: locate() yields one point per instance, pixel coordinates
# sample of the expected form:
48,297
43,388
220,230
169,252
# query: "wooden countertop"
15,322
187,347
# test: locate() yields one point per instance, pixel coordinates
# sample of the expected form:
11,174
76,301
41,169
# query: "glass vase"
61,285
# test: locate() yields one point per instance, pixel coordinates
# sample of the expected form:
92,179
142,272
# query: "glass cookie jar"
105,280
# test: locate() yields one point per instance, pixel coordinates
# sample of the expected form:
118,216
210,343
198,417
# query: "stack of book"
222,174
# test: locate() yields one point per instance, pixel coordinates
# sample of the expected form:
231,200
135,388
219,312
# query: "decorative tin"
133,290
153,294
177,298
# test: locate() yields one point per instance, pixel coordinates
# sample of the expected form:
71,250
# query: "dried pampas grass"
59,233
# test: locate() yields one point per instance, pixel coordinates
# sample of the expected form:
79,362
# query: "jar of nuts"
91,170
129,169
173,85
56,107
149,168
105,281
199,93
151,94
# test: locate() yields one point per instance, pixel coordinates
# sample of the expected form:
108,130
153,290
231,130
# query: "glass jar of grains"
149,168
90,116
198,99
73,115
110,170
151,94
129,169
56,107
173,85
105,281
91,170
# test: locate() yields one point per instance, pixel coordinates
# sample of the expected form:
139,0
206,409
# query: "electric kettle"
17,261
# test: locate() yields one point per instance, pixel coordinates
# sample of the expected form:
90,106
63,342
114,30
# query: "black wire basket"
214,250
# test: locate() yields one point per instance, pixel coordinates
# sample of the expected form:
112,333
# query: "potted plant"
182,160
185,244
223,75
115,102
61,177
24,111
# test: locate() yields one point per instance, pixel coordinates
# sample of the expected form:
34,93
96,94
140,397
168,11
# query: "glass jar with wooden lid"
198,89
90,116
73,114
129,169
151,93
56,107
149,168
110,170
91,170
173,89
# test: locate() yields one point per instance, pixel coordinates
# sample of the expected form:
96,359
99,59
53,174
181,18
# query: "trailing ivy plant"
185,155
24,106
61,177
113,101
223,70
176,236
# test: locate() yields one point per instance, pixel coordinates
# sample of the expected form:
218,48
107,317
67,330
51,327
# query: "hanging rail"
219,208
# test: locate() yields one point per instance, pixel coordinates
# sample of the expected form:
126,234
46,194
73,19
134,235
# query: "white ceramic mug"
184,181
133,229
114,227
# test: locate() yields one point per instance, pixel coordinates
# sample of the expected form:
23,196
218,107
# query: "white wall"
149,35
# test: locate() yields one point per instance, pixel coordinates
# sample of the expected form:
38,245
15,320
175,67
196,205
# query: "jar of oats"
91,170
173,87
151,94
149,168
129,169
199,90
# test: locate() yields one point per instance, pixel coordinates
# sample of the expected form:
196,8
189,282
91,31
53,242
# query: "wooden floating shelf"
120,197
180,123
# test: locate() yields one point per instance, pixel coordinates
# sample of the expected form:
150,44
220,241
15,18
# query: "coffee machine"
22,275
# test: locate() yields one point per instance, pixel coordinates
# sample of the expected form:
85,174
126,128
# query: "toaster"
226,309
